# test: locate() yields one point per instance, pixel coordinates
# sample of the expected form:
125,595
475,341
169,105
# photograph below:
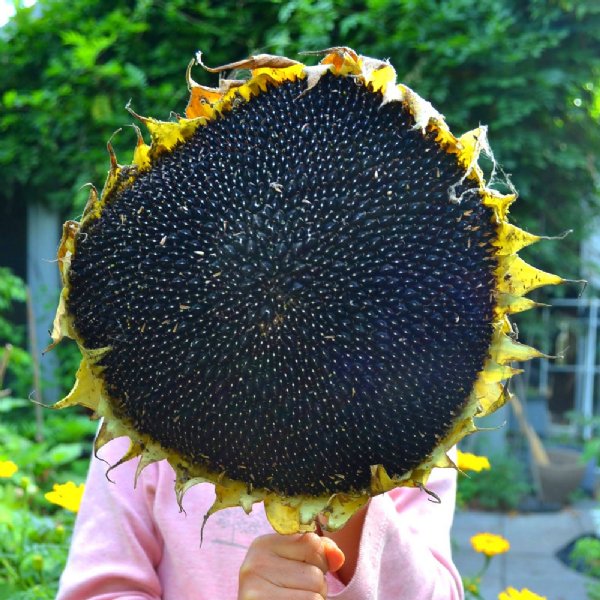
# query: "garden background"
529,69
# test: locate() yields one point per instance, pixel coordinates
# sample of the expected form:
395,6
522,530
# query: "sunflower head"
298,292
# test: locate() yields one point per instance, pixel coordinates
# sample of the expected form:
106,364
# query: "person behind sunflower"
135,544
300,294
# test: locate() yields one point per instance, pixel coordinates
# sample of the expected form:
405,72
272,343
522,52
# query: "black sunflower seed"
319,306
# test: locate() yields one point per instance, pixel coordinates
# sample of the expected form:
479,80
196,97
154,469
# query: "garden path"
531,561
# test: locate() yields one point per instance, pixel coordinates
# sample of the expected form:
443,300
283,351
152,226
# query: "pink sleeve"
405,546
121,562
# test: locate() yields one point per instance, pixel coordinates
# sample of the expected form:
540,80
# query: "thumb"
335,557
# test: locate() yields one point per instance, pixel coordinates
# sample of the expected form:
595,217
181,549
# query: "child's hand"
288,567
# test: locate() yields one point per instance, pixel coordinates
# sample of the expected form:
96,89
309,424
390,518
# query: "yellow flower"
513,594
68,495
490,544
472,462
7,468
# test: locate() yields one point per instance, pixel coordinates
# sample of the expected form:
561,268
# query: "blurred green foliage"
34,534
33,549
13,294
500,488
530,69
590,447
586,554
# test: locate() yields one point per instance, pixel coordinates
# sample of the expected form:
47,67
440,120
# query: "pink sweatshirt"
136,545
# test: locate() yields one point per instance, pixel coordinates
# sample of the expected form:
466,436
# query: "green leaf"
63,454
8,404
7,591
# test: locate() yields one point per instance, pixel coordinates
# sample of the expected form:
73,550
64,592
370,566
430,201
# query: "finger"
293,574
333,555
304,547
264,590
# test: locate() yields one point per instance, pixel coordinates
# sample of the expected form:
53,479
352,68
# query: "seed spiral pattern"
290,296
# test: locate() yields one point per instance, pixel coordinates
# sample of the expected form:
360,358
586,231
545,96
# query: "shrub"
500,488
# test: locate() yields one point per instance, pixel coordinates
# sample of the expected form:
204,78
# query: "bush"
587,553
500,488
13,295
35,534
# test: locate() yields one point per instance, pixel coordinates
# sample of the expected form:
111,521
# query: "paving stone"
468,523
531,561
544,575
527,533
589,518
